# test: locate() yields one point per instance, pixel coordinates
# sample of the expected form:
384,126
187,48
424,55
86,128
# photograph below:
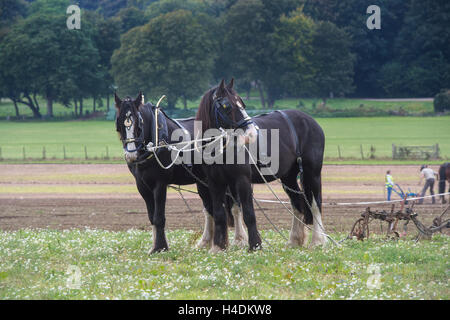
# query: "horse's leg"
159,219
147,195
313,191
244,190
228,205
208,231
240,235
298,235
220,237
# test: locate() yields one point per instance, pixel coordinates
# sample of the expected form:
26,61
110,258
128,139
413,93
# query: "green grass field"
101,140
97,264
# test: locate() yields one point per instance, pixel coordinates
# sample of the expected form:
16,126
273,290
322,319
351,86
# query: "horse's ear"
139,100
117,100
231,84
221,89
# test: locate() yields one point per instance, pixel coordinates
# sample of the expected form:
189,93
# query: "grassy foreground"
97,264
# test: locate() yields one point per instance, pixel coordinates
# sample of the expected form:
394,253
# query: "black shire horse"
301,143
135,123
220,107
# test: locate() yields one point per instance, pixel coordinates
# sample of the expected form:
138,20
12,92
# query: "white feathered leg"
240,235
297,234
208,232
318,236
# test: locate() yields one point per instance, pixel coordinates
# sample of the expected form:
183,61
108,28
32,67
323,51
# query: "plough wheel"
360,229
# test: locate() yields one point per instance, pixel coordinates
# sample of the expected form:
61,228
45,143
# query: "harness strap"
175,121
292,131
296,141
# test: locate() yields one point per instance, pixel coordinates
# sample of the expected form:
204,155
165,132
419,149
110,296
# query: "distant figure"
444,175
389,184
429,175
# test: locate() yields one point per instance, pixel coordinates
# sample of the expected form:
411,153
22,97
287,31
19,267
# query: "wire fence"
102,151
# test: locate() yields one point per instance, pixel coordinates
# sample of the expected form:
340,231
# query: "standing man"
428,174
389,184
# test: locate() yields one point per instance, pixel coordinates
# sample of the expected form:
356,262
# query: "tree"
332,60
107,39
249,46
10,12
423,48
245,35
130,17
171,55
372,48
291,71
49,60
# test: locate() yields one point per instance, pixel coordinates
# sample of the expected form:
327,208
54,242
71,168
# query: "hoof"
241,243
295,243
157,250
216,249
255,247
318,242
203,244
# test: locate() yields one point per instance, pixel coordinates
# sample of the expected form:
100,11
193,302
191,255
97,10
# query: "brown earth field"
65,196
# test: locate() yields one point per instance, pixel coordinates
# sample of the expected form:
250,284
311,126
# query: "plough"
360,228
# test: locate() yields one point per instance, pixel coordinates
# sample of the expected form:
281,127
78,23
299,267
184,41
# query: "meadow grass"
44,264
100,138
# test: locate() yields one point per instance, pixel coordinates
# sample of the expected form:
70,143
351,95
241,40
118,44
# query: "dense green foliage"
173,58
442,101
284,48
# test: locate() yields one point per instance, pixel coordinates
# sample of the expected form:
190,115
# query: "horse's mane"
204,109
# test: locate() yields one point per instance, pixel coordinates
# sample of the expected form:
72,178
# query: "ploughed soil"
64,196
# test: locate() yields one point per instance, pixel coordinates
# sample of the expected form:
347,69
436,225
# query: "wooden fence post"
64,152
107,152
23,152
85,153
43,153
339,152
1,158
362,154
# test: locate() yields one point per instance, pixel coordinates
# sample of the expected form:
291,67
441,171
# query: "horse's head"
222,107
129,125
138,124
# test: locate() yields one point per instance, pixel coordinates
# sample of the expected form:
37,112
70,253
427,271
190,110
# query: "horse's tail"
442,177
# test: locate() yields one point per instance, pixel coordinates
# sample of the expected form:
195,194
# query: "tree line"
283,48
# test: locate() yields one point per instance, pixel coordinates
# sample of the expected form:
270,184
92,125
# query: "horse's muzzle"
130,156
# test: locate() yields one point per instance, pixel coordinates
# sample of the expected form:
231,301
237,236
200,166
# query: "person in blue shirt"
389,184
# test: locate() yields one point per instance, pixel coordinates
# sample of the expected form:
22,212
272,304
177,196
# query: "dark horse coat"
151,179
300,150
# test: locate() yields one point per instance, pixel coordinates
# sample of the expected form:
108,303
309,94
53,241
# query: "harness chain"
187,205
289,210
